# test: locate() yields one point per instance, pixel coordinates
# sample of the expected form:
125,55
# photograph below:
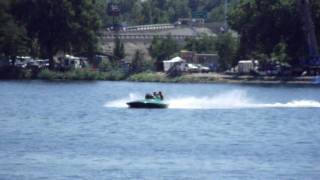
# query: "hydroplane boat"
155,103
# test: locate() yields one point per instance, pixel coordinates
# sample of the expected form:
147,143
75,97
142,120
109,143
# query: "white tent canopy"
168,64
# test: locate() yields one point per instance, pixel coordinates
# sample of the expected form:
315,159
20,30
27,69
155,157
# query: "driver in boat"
160,95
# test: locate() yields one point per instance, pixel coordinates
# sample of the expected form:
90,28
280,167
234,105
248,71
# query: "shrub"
82,74
148,77
46,74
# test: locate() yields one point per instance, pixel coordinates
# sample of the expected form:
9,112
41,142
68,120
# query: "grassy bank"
150,76
221,78
82,74
161,77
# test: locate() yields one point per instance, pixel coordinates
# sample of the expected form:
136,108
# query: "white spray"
228,100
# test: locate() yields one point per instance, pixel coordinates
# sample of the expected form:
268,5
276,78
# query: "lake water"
83,130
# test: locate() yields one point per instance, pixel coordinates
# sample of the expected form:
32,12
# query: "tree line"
43,28
267,28
137,12
273,29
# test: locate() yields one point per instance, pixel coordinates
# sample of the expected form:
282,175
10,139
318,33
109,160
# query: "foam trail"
228,100
232,99
294,104
121,103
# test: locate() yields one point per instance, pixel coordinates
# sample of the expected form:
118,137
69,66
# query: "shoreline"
196,78
231,79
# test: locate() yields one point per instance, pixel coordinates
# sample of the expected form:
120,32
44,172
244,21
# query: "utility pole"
114,11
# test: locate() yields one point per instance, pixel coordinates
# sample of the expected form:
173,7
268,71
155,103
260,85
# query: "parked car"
192,68
203,69
43,63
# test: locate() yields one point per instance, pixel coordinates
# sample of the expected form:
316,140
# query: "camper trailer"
247,66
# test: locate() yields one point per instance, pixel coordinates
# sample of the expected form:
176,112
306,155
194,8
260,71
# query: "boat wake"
193,103
227,100
121,103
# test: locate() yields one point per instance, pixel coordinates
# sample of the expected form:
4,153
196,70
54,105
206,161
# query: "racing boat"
148,103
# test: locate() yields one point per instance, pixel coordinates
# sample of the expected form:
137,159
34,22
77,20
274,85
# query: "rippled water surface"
211,131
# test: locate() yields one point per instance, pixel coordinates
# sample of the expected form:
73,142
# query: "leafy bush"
82,74
192,79
49,75
106,66
148,77
115,75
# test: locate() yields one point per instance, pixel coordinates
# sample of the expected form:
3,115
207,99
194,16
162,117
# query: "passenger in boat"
149,96
156,95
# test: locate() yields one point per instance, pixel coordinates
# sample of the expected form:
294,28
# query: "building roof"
176,59
207,54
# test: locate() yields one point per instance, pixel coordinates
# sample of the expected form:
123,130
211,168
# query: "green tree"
137,62
205,44
178,9
262,24
162,49
137,13
118,51
13,39
216,14
147,12
280,52
69,26
315,8
193,4
227,47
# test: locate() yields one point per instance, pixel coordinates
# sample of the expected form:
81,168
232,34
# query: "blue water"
58,130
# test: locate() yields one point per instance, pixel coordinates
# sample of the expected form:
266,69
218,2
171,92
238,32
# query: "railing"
149,27
146,36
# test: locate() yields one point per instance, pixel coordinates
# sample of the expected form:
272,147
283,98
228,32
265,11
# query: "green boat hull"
148,104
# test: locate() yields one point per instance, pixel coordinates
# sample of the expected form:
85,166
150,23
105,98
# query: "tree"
69,26
280,52
193,4
315,8
118,51
13,37
137,62
262,24
161,49
137,13
227,47
217,14
205,44
178,9
161,4
147,12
